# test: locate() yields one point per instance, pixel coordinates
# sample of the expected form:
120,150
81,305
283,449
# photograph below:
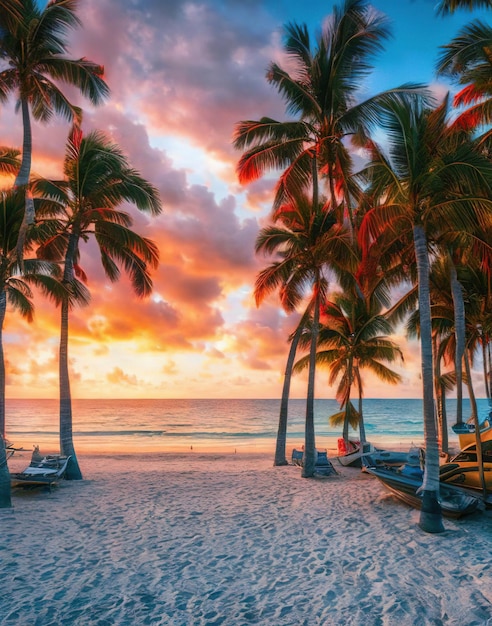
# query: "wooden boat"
406,481
41,473
466,432
323,466
351,451
463,470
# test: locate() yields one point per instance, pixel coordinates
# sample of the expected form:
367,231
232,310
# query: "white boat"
351,453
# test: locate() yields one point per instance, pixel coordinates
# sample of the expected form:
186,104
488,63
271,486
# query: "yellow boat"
462,469
466,432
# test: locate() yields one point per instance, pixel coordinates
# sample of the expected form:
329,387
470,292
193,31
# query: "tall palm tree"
15,290
306,243
429,183
320,93
33,42
98,179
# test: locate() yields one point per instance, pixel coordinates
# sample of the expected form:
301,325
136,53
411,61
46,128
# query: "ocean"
227,426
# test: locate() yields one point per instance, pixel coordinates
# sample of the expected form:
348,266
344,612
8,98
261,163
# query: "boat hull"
454,502
43,473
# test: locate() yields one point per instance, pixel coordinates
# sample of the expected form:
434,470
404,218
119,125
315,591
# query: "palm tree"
466,60
447,7
15,290
98,179
33,42
306,244
353,337
321,93
429,183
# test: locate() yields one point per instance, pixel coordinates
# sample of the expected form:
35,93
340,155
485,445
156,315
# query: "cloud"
118,376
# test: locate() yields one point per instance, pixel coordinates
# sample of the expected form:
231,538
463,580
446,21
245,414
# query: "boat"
351,454
323,466
41,472
466,432
351,451
405,483
462,469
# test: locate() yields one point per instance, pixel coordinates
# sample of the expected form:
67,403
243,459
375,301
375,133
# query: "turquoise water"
207,425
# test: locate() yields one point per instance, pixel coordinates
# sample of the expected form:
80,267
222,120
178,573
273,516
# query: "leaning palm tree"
306,244
16,291
33,42
354,337
98,179
430,182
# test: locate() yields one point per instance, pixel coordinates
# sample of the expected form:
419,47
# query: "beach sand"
206,539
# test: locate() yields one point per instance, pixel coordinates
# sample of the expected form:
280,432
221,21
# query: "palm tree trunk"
5,499
346,424
3,307
66,421
489,366
309,457
473,403
473,419
66,434
280,456
24,173
362,427
430,515
459,331
440,394
485,363
5,488
23,176
444,421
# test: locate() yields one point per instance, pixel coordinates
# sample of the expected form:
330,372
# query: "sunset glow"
181,75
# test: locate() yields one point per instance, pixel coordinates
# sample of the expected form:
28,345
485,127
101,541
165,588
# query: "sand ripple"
230,540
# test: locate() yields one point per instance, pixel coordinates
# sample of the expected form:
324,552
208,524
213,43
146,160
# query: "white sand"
195,540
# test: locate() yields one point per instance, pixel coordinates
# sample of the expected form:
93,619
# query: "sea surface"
228,426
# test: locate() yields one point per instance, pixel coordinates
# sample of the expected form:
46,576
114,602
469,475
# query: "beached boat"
352,454
406,481
351,451
466,432
44,472
463,469
323,467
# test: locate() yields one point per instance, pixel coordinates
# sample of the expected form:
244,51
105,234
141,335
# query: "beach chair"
297,457
323,465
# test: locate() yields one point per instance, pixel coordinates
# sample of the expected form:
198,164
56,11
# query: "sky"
182,73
